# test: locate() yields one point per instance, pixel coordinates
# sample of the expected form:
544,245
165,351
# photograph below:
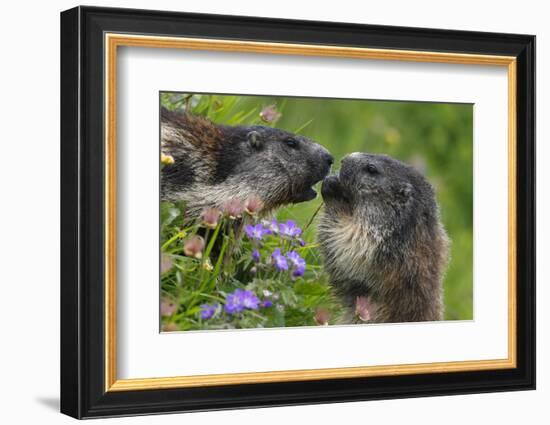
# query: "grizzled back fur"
214,163
382,239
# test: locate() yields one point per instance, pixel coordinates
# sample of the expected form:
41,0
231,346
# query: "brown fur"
214,163
383,242
205,136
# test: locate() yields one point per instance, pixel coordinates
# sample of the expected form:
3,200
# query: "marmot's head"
383,195
281,166
214,163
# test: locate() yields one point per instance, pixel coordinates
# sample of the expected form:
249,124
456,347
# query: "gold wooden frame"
113,41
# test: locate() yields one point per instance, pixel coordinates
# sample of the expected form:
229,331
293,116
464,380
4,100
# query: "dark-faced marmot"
214,163
382,241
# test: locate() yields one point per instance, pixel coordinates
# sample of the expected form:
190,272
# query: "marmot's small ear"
405,191
255,139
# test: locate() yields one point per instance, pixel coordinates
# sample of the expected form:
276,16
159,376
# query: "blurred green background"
437,138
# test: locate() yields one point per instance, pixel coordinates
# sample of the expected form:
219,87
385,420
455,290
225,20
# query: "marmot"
383,244
214,163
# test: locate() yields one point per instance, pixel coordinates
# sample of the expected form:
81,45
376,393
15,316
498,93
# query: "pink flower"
194,246
167,307
233,208
362,307
170,327
166,263
210,217
253,205
322,317
270,114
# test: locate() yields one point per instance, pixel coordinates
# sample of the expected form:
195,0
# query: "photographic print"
288,211
291,223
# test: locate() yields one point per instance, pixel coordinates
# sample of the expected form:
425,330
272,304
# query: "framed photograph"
261,212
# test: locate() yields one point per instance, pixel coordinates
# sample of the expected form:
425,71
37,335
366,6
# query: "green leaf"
303,287
168,213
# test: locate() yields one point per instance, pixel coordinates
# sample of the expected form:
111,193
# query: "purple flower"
256,232
290,229
298,263
295,258
272,226
233,304
208,311
250,300
299,271
239,300
256,256
280,260
266,304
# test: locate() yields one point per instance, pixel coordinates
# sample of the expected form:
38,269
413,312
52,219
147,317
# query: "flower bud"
362,305
322,317
170,327
194,246
210,217
253,205
166,263
166,159
207,265
270,114
167,307
233,208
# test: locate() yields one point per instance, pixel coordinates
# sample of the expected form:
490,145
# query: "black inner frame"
82,212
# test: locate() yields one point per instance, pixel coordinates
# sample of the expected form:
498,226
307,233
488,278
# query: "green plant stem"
178,235
213,240
218,265
312,217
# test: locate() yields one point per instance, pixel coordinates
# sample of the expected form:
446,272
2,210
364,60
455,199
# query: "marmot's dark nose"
329,159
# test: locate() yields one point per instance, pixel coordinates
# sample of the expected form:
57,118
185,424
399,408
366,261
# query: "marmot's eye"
291,143
371,169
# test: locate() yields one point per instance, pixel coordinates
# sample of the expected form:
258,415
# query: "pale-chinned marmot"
214,163
383,244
